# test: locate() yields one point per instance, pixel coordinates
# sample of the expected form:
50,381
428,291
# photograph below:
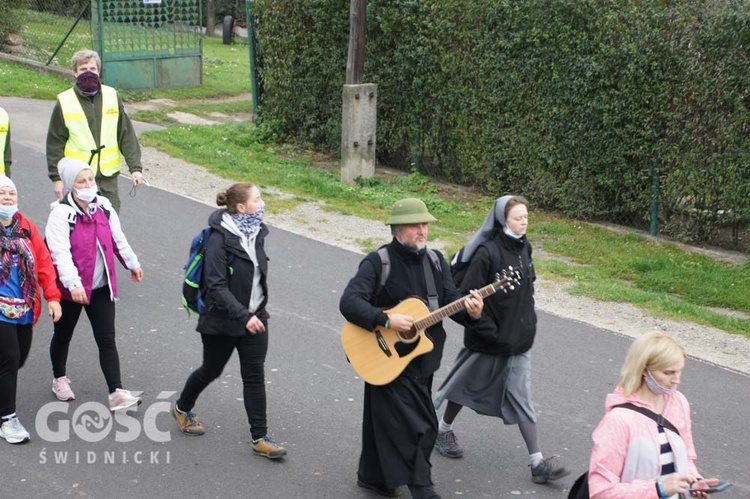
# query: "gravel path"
310,220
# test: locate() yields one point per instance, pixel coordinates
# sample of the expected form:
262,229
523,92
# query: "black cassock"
399,424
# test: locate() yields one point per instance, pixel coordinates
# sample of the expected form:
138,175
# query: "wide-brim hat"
409,211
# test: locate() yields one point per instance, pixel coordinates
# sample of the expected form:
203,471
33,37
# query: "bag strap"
660,420
429,278
385,265
385,270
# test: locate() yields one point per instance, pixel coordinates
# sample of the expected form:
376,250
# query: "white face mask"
87,194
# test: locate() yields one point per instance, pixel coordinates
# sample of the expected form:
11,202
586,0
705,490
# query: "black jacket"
406,279
227,282
508,323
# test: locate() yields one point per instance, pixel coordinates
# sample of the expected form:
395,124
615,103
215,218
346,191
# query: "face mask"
249,223
88,82
655,387
7,212
87,194
512,234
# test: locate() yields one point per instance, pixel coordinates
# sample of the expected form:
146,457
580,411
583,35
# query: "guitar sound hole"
403,348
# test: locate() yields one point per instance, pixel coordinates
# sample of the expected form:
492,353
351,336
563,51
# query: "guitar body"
368,355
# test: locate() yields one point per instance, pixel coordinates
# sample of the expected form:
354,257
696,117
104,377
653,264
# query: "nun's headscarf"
495,219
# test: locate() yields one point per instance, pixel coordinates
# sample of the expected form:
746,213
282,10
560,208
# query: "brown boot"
266,447
187,421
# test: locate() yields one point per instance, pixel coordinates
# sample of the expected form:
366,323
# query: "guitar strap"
432,296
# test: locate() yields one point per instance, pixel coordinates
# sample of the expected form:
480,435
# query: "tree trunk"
210,18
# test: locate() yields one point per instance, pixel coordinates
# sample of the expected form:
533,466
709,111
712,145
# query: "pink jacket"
625,457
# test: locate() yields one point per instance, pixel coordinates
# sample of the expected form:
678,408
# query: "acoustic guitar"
379,356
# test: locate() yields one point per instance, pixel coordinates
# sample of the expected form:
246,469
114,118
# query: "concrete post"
358,126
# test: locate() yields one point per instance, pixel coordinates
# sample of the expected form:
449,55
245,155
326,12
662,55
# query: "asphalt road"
314,397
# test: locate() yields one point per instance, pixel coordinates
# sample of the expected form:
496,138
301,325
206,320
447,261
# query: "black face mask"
88,82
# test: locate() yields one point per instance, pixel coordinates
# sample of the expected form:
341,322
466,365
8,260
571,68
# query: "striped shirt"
666,458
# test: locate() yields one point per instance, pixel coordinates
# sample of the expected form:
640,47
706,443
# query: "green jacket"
57,134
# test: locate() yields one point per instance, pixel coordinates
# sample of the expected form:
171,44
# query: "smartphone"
719,487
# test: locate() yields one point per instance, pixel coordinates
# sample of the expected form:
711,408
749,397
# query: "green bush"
576,104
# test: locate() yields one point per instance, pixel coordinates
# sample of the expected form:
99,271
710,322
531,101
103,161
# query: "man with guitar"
399,425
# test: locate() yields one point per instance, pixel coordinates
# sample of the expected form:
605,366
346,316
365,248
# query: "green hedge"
574,103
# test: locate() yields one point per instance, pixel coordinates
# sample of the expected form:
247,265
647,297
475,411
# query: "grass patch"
241,151
653,266
20,81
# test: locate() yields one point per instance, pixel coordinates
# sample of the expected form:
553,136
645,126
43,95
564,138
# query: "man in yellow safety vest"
89,123
6,158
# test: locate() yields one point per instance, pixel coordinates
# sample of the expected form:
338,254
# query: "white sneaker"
14,432
61,389
122,400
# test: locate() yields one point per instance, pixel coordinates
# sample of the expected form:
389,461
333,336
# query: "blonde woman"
633,456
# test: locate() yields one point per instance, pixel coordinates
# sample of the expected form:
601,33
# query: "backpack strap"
385,271
660,420
385,267
495,258
429,280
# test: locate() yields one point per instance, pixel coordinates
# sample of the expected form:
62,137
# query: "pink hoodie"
625,457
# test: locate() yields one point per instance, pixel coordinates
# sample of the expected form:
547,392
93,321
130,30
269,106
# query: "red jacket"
45,271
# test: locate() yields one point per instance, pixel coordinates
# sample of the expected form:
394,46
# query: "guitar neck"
456,306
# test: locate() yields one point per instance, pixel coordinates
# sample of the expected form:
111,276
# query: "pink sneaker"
122,400
61,389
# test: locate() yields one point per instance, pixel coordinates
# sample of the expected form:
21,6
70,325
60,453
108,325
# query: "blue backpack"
192,296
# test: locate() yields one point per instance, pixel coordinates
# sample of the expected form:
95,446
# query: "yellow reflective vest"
4,127
81,144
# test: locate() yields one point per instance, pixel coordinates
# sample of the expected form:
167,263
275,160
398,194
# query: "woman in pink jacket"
633,456
85,239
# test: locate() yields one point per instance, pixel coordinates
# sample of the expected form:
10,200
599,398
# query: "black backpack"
458,268
580,489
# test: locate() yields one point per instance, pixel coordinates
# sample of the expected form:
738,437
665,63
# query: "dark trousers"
101,314
15,343
108,188
217,350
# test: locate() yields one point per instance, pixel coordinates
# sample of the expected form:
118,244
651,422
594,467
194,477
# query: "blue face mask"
511,233
655,387
7,212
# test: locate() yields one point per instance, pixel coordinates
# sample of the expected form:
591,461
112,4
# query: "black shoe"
379,489
548,470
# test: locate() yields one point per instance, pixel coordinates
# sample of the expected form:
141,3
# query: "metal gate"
149,43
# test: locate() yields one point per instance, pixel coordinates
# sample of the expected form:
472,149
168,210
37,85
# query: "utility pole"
359,107
355,61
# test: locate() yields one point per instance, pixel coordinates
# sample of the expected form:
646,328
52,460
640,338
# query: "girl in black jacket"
492,373
236,292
